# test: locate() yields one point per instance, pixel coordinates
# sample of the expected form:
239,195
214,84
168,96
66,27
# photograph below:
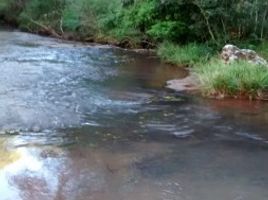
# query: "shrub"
72,15
142,14
37,13
166,30
10,10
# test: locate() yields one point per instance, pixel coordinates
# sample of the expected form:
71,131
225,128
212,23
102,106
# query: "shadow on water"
83,122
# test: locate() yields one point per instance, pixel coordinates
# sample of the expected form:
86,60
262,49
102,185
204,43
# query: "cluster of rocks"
231,53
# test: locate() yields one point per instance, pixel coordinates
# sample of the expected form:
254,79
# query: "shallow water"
85,122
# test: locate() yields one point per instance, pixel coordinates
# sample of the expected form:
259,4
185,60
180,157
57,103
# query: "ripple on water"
75,133
45,84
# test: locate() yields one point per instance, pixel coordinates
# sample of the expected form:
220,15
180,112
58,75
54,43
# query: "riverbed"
91,122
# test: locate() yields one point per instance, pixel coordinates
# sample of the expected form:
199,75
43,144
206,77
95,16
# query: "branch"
46,28
203,12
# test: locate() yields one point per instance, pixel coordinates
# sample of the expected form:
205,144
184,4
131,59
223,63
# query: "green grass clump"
262,49
185,55
238,79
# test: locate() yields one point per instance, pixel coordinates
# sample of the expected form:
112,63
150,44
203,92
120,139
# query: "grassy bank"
238,79
217,79
189,54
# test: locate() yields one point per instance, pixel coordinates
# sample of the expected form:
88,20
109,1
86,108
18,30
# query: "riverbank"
208,75
214,78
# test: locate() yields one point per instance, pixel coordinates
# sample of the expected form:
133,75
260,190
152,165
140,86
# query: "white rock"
231,53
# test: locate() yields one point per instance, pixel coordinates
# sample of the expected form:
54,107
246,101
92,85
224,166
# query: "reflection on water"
95,123
138,170
7,156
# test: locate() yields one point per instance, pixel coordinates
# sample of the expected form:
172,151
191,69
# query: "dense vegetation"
143,22
186,31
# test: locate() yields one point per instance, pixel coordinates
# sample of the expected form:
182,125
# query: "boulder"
231,53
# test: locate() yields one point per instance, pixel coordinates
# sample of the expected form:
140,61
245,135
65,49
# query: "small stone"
188,84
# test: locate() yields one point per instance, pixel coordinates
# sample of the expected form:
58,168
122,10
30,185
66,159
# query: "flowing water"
85,122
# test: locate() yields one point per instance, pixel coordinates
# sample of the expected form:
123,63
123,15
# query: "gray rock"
231,53
188,84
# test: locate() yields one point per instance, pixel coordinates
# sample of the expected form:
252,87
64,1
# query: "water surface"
85,122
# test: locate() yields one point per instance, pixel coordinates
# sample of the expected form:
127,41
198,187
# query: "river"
91,122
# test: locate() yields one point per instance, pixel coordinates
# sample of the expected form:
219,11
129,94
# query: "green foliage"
3,5
47,13
262,48
240,79
188,54
90,18
232,20
146,21
166,30
78,18
10,9
71,16
142,14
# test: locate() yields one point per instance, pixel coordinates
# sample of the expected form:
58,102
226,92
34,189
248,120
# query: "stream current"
91,122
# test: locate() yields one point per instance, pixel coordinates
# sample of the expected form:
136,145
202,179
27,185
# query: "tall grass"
262,48
186,55
239,79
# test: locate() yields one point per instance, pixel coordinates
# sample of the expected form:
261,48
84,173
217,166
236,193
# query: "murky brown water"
80,122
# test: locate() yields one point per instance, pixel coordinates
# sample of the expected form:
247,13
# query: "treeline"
142,23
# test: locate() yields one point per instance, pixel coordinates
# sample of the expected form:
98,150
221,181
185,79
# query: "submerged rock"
231,53
188,84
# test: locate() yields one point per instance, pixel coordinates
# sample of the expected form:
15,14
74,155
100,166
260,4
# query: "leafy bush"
151,21
91,18
142,14
10,10
71,16
166,30
3,5
37,13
